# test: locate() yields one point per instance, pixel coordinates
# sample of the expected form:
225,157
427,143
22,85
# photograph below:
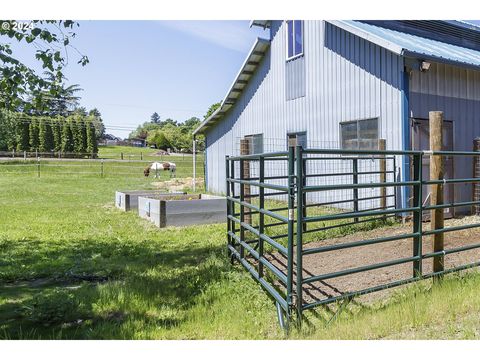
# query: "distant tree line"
75,134
170,134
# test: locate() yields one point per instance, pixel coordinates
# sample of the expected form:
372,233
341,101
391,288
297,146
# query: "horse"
166,166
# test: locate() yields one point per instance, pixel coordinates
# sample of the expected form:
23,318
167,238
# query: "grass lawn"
98,168
74,267
137,153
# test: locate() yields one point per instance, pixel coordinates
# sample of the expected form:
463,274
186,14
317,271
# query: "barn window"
360,134
294,38
255,143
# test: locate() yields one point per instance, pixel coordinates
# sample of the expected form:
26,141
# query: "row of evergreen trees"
73,134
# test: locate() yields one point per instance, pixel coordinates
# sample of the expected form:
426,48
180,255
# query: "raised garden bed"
128,200
183,210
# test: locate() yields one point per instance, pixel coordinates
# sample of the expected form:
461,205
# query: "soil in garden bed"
328,262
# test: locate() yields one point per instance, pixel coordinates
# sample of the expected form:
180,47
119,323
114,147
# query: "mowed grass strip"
75,267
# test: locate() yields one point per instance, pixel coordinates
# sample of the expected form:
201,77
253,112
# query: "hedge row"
73,134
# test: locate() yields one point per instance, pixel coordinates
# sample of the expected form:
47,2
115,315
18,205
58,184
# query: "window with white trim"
360,134
294,38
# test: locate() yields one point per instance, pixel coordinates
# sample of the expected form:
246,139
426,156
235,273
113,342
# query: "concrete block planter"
183,210
128,200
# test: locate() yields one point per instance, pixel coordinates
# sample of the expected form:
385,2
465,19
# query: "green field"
74,267
138,153
112,166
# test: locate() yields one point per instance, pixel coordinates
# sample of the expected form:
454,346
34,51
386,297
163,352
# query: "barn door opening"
421,141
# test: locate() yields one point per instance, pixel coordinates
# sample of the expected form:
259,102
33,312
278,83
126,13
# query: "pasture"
109,164
74,267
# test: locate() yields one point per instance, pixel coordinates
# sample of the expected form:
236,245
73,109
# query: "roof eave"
225,106
395,48
261,23
438,59
367,36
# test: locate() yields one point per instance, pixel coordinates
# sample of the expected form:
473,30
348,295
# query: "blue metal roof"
412,45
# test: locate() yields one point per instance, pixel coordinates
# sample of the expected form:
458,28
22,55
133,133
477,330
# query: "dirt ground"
323,263
177,184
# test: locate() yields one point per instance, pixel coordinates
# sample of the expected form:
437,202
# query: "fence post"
383,176
229,212
476,174
299,247
121,156
141,155
261,216
13,153
355,190
436,196
195,164
24,155
38,166
242,208
304,195
232,204
417,215
245,150
291,222
102,169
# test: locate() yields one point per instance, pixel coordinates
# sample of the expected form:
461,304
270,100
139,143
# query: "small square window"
255,143
294,38
359,134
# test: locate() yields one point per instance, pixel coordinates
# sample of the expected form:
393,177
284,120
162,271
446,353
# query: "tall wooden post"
436,190
383,175
476,174
245,150
194,183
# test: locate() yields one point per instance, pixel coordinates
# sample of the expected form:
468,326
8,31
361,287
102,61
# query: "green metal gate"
275,218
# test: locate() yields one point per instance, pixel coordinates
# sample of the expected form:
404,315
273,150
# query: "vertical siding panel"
346,78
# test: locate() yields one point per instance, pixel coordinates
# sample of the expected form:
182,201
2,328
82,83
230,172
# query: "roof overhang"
414,46
356,30
247,70
261,23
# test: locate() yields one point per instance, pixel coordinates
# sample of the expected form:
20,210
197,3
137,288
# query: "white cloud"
233,35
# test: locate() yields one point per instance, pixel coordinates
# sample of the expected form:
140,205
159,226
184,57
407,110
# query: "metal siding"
295,86
347,78
456,92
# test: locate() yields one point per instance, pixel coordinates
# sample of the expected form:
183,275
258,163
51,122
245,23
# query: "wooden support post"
383,175
194,182
245,150
476,174
121,156
436,192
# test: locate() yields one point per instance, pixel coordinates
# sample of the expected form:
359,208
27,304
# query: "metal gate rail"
247,240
